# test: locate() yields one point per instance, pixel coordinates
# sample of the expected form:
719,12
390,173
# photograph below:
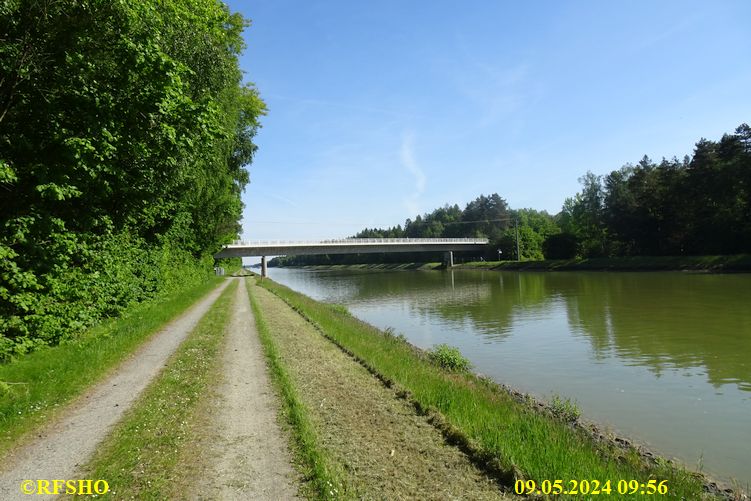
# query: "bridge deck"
351,246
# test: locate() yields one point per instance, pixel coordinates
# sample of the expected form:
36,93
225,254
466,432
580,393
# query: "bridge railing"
355,241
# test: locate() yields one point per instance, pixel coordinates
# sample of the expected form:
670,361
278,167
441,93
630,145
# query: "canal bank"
354,438
714,264
511,434
739,263
657,357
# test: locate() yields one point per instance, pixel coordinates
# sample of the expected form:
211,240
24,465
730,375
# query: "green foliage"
564,409
560,246
700,205
486,217
43,381
583,216
340,308
390,334
695,206
124,131
449,358
533,227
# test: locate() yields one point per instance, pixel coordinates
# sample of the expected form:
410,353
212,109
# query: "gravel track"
72,438
245,453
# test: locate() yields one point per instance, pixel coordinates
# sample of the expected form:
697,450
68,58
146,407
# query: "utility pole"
516,227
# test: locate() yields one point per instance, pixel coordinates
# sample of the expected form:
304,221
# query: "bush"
105,277
564,409
449,358
340,309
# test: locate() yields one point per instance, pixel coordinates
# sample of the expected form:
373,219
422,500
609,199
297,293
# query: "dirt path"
244,452
386,450
70,441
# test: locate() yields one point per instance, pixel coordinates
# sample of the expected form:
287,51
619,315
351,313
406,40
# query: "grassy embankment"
324,481
734,263
740,262
512,438
37,385
148,449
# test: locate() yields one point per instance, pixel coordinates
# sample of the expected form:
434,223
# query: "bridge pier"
264,269
448,259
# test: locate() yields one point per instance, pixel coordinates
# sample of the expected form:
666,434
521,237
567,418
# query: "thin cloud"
497,90
277,197
681,27
407,157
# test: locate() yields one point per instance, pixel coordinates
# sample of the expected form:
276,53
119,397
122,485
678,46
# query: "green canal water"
662,358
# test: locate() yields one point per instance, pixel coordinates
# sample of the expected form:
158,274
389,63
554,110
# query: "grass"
564,409
512,438
141,457
449,357
322,478
39,384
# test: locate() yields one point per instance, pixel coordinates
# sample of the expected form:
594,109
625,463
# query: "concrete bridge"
351,246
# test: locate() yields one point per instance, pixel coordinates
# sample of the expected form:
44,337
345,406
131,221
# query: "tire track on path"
71,440
245,449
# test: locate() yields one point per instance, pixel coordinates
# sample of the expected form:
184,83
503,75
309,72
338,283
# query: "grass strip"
718,263
732,263
512,438
139,459
322,478
43,381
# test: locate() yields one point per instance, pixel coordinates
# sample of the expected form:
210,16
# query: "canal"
661,358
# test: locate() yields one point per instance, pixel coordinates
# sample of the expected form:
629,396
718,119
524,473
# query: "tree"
560,246
486,216
583,216
124,134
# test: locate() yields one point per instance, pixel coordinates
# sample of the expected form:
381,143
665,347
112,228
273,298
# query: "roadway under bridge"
352,246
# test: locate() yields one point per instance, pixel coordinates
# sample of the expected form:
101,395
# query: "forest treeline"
695,206
124,131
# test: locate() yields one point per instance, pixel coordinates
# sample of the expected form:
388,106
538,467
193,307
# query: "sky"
379,111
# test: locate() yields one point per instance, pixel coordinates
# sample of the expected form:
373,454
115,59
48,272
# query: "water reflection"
661,320
667,320
662,357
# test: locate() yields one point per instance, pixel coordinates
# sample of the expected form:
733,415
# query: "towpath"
244,451
70,441
383,447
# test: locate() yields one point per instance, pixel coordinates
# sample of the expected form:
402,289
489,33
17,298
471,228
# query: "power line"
306,222
366,224
478,221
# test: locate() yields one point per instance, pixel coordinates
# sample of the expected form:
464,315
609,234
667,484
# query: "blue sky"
382,110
